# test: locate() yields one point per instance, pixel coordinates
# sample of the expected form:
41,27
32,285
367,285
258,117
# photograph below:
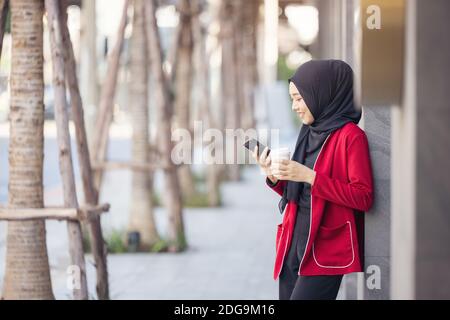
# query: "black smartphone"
252,143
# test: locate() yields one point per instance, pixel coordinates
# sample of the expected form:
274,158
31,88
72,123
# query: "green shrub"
115,241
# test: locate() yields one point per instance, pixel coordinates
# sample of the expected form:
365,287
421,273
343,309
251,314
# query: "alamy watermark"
373,277
373,21
73,281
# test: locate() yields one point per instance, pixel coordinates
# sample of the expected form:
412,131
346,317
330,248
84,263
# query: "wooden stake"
99,249
80,291
52,213
134,166
105,111
14,214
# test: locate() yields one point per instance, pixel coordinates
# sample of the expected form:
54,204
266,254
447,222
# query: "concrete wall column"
421,179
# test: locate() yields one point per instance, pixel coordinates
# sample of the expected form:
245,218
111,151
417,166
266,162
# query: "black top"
305,196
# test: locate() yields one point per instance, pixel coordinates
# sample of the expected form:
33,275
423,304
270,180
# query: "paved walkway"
230,255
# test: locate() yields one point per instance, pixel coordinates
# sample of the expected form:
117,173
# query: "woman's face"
299,106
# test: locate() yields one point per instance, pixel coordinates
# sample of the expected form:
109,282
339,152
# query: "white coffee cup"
280,154
277,155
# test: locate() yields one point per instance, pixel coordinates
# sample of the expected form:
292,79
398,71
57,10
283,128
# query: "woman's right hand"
264,162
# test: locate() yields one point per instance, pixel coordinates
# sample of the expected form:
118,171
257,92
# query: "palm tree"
27,274
176,233
183,82
202,71
230,82
141,215
245,19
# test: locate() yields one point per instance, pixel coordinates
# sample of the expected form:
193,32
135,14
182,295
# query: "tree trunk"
202,65
80,291
230,96
99,249
4,7
246,57
105,110
141,213
89,86
240,67
252,56
176,234
183,81
172,55
27,274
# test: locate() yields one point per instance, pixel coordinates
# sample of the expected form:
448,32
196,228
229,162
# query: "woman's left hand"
293,171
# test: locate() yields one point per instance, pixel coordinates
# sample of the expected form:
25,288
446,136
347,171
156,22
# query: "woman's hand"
264,162
293,171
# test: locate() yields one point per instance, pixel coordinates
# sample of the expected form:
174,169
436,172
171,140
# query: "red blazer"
342,191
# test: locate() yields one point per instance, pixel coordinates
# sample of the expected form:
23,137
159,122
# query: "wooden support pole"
134,166
92,212
99,249
14,214
105,110
52,213
80,292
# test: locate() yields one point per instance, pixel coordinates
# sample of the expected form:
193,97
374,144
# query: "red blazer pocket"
333,247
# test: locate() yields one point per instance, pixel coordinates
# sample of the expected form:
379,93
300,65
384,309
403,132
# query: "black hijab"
327,88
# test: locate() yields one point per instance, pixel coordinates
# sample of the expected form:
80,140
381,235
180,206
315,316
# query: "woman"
325,188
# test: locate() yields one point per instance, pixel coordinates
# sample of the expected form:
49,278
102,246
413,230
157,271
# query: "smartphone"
252,143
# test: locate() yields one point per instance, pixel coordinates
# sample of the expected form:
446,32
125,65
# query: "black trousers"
309,287
295,287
